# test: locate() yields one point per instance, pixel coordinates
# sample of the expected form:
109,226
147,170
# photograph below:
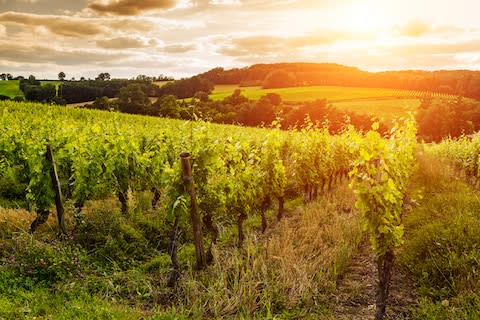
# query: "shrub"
113,239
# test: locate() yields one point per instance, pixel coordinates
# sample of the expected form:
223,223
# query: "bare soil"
355,297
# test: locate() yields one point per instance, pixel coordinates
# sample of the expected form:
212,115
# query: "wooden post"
281,202
172,251
58,191
194,214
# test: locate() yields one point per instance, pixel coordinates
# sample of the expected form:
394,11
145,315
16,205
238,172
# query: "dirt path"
355,298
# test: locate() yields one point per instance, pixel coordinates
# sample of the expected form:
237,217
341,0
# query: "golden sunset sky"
185,37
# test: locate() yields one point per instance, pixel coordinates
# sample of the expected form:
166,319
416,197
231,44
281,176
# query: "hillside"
10,88
461,82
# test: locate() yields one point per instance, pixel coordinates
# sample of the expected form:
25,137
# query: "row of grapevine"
463,154
380,179
100,155
421,94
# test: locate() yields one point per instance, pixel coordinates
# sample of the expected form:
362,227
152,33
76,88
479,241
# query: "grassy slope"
388,109
10,88
331,93
442,244
383,103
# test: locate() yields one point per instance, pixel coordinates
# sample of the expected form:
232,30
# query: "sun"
363,18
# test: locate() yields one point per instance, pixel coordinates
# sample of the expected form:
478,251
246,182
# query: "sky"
182,38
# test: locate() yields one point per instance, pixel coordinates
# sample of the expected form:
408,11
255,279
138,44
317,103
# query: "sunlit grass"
10,88
441,247
309,93
388,109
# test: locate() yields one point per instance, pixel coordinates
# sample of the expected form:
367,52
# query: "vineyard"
331,93
208,183
462,154
99,155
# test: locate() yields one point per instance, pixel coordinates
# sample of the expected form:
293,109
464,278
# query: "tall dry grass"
294,266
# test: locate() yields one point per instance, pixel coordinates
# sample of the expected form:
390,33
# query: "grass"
288,273
441,248
388,109
10,88
161,83
380,102
309,93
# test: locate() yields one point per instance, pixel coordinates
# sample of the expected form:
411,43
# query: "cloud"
415,28
438,48
179,47
40,54
3,30
125,43
77,27
61,25
270,44
419,28
129,7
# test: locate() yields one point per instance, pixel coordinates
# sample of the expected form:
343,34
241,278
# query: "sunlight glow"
363,18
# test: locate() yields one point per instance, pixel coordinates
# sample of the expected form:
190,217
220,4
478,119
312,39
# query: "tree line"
234,109
438,119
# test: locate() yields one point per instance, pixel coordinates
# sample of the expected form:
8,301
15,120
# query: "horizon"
181,38
129,77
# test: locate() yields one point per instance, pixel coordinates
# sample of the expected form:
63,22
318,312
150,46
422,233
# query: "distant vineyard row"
463,154
331,93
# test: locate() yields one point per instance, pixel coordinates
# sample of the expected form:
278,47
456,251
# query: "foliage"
380,178
41,264
438,119
132,99
463,154
89,90
441,247
167,106
186,88
279,79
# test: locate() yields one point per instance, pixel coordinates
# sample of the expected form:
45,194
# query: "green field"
387,104
385,109
11,88
331,93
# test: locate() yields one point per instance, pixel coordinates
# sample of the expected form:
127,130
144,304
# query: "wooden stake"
194,212
58,191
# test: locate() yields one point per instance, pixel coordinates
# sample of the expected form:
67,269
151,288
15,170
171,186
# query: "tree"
236,98
186,88
103,103
167,107
9,76
201,96
279,79
39,93
3,76
61,76
144,78
132,99
103,76
274,98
